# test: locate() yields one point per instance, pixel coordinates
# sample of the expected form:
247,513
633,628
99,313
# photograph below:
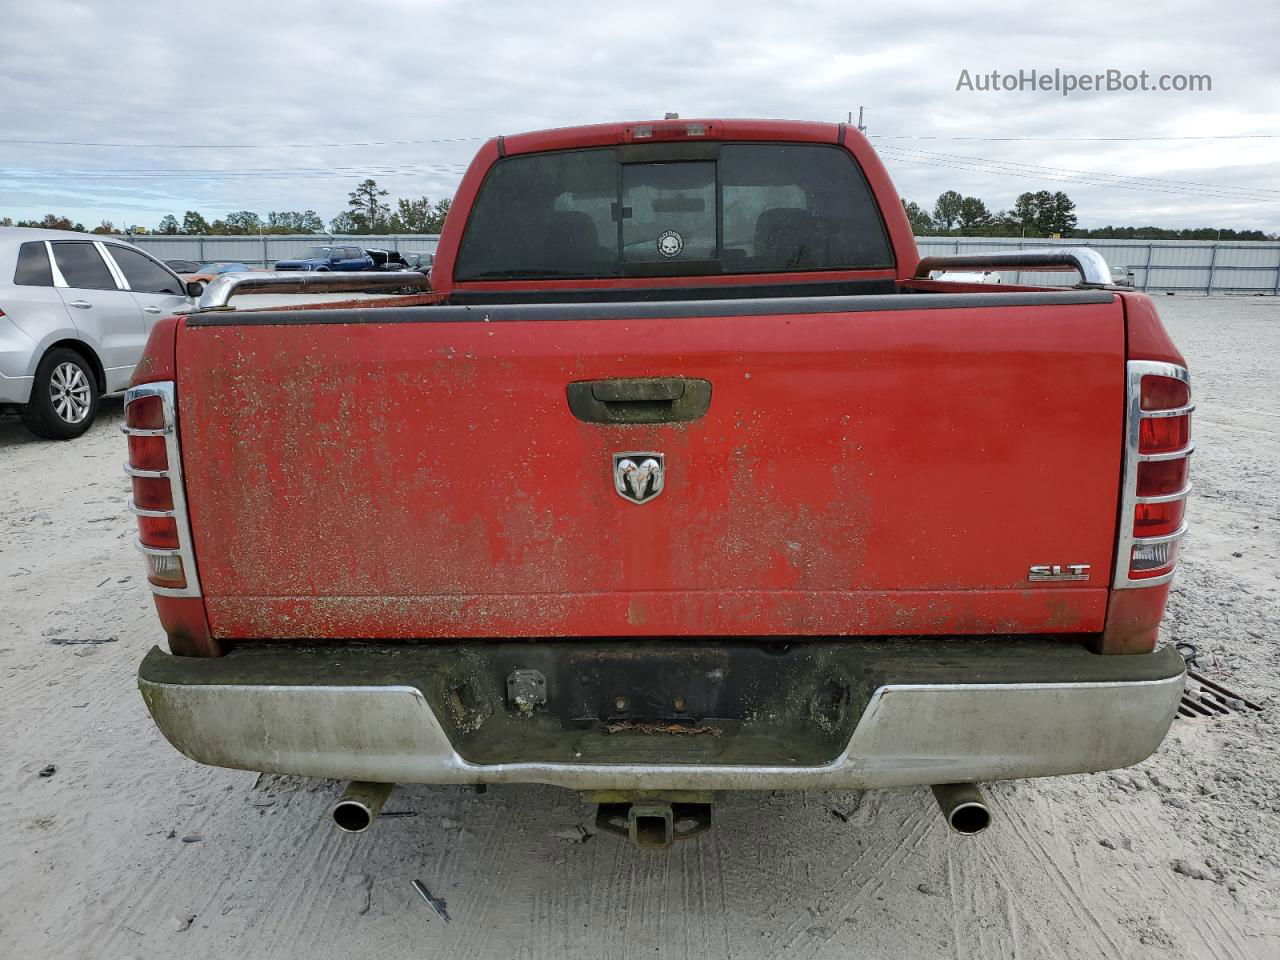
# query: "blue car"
329,258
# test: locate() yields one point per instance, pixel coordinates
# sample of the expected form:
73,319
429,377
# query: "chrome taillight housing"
1157,456
159,498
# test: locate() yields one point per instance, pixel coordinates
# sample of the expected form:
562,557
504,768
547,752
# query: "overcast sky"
306,83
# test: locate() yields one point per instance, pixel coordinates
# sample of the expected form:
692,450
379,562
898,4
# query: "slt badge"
638,477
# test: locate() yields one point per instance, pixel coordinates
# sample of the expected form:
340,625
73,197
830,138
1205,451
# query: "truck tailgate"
419,472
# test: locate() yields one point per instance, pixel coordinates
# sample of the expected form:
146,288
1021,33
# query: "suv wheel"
64,397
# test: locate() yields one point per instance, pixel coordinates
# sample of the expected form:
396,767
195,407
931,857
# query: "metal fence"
1192,266
264,250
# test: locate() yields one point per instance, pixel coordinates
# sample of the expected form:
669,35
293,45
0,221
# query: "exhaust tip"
351,816
970,818
963,807
360,805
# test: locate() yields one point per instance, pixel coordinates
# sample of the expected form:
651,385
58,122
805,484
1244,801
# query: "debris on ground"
575,834
193,838
72,641
435,903
1193,869
1124,844
48,771
180,924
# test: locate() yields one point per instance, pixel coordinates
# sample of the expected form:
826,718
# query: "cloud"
314,73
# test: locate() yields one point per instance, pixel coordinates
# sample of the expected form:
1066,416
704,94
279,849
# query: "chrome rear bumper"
291,712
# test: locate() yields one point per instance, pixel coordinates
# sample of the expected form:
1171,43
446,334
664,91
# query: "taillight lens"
1162,478
1164,434
148,453
145,413
1157,519
152,493
158,532
1164,393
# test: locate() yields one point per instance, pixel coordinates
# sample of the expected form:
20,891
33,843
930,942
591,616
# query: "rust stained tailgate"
889,472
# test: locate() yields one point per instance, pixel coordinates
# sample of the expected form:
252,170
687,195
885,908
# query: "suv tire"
64,396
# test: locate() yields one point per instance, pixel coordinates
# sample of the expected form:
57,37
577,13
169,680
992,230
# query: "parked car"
205,272
418,263
337,257
75,312
387,260
421,262
183,266
1121,276
717,495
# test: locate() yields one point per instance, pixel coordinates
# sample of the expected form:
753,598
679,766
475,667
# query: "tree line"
367,212
1042,214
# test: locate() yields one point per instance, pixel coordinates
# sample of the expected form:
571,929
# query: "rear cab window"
626,211
33,266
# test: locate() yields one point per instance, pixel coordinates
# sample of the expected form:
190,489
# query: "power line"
979,168
1091,173
1223,136
236,146
384,143
255,170
216,176
333,172
342,172
904,154
1054,179
1092,178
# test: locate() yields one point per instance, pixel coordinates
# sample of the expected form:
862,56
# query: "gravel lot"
130,850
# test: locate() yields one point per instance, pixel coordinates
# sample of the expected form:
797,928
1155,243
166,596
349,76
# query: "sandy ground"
130,850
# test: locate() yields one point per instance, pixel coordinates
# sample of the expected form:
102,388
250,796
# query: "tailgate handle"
640,400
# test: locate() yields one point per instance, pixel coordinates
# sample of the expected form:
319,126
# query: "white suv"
75,312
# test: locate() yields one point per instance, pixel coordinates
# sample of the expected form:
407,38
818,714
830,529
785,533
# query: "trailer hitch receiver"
654,823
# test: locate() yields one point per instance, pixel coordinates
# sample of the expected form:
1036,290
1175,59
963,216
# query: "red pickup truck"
685,477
